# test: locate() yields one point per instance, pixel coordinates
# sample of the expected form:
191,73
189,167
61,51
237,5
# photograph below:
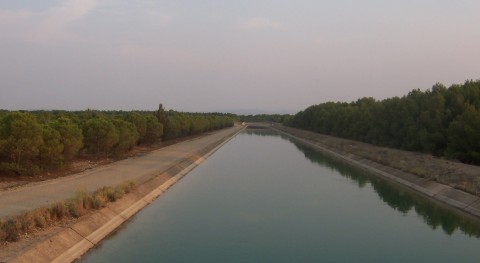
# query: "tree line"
280,118
441,121
36,141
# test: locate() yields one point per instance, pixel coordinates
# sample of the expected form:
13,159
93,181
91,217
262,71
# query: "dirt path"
138,169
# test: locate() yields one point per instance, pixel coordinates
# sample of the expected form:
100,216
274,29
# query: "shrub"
26,222
40,217
3,233
128,186
76,206
58,210
99,200
79,204
113,193
12,230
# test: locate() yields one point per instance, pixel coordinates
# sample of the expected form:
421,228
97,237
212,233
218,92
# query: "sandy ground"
455,174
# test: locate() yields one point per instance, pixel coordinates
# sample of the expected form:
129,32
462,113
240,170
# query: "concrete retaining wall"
74,241
439,192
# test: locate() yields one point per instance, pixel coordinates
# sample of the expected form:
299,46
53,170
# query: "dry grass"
12,229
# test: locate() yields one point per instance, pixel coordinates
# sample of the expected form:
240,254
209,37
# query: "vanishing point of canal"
265,198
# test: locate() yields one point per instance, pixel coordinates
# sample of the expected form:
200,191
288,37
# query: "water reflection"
399,199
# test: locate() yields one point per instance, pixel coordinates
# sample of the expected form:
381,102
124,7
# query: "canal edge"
74,241
438,192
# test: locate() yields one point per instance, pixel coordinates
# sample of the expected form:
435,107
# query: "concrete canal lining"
438,192
74,241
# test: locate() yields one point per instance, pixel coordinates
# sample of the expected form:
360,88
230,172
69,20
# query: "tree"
162,115
50,152
71,137
154,130
139,121
464,136
20,142
419,121
127,136
100,136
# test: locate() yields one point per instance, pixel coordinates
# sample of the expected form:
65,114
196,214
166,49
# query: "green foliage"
441,121
36,141
127,136
154,130
139,121
50,154
100,135
20,141
464,136
71,137
280,118
162,115
184,124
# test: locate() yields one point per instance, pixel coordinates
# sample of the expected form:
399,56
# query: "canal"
266,198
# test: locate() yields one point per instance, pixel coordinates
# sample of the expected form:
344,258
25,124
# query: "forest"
36,141
441,121
280,118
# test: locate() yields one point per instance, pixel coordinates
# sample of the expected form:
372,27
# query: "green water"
265,198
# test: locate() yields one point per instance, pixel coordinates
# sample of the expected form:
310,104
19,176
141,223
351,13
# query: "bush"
112,194
98,200
79,204
11,229
75,206
26,222
128,186
59,210
3,233
41,217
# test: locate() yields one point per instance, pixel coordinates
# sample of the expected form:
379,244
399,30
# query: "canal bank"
438,192
265,197
75,240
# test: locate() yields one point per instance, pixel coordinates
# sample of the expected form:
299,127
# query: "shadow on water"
397,198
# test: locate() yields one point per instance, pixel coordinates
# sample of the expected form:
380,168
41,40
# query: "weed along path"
138,169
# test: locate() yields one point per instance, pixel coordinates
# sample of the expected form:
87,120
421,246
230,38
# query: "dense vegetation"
35,141
441,121
280,118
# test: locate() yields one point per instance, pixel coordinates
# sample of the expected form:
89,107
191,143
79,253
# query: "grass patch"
419,171
12,229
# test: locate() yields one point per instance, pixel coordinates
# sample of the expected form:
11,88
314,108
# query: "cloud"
85,21
54,24
159,17
13,24
46,26
261,23
148,13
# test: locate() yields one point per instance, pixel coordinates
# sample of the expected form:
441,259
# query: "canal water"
266,198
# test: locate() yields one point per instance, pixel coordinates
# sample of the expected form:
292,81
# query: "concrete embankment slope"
75,240
439,192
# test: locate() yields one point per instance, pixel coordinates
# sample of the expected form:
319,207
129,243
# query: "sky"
245,56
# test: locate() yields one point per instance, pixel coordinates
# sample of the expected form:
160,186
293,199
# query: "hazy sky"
219,55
